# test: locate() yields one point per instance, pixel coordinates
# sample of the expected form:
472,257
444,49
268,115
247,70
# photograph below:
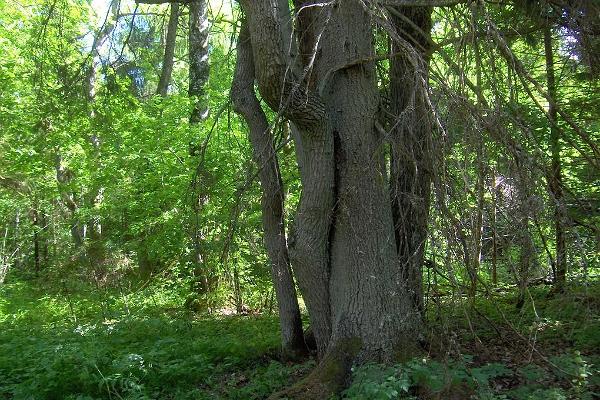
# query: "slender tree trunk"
96,249
4,256
198,58
36,240
198,77
555,178
411,158
247,105
17,240
64,176
44,230
494,233
478,225
167,65
237,290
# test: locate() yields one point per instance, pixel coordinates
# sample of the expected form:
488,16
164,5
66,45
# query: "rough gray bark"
343,248
198,58
247,105
411,158
167,65
283,90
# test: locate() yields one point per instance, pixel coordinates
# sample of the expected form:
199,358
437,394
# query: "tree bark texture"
343,243
198,58
198,36
167,65
411,142
247,105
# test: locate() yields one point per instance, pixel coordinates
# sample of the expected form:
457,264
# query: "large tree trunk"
343,250
281,86
246,104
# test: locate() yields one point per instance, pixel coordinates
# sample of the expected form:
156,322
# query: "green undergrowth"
88,343
76,341
569,376
490,350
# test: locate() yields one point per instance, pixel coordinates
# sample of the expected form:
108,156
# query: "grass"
75,341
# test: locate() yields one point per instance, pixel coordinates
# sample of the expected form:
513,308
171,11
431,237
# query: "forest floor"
75,341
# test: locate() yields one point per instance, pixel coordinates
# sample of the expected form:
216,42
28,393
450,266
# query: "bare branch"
525,76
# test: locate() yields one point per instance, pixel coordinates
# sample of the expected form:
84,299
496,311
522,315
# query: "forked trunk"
343,246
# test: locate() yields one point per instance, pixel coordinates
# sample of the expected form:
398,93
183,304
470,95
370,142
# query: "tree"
352,272
198,56
555,176
411,143
167,66
247,105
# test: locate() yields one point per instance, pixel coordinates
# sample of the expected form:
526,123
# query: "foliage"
85,343
87,147
461,379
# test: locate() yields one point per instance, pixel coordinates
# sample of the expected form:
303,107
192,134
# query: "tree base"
330,377
294,354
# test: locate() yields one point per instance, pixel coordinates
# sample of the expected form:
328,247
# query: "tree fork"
343,247
282,90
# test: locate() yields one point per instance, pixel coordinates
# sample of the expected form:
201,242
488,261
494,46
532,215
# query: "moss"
330,376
